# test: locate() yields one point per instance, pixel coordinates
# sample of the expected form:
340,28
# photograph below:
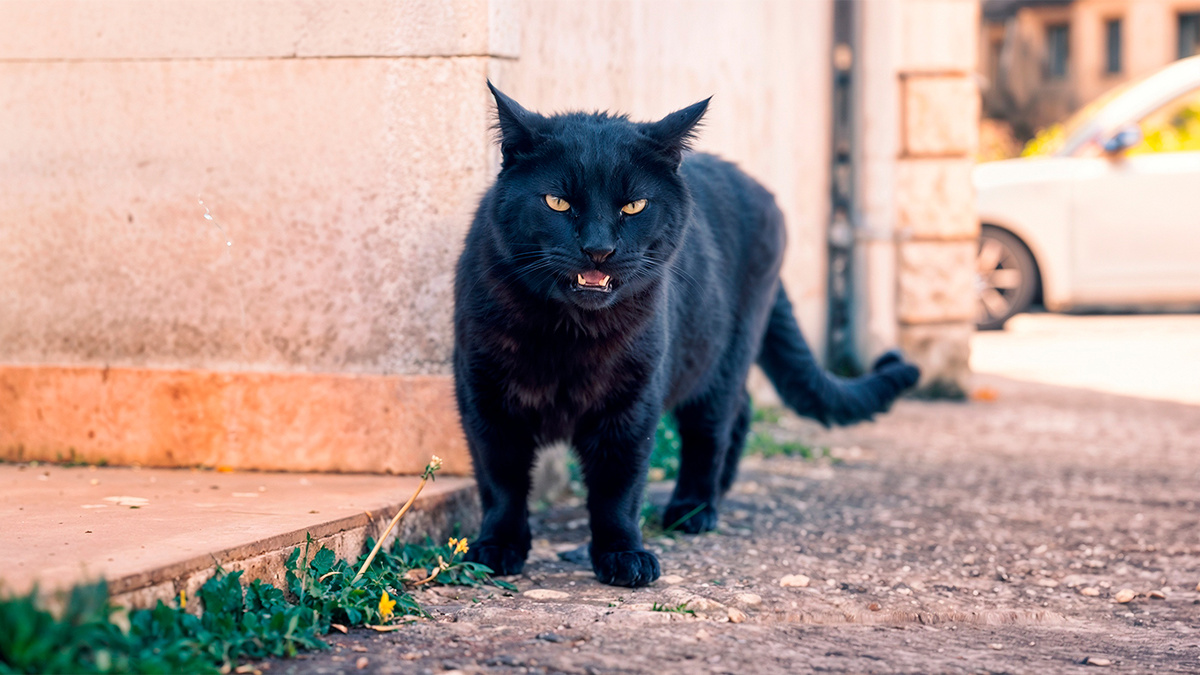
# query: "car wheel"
1006,278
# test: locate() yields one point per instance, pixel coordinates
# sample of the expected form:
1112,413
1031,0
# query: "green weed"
677,609
766,445
238,621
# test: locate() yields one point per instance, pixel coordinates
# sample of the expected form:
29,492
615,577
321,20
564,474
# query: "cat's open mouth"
593,280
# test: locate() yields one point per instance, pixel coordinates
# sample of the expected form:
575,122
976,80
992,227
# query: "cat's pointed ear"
518,126
674,133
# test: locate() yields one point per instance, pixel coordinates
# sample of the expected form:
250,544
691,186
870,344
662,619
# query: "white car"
1108,216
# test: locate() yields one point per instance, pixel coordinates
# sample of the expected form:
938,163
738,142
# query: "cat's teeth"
604,281
581,281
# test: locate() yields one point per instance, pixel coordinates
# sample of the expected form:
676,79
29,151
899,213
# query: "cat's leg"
503,451
614,459
705,425
737,443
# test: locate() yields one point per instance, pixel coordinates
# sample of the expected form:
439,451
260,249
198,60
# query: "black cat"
608,278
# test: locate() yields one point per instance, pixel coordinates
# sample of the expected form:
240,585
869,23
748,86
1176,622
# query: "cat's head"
589,207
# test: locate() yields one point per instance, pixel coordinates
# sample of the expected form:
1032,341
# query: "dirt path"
955,538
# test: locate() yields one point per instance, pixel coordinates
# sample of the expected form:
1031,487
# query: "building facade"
1040,60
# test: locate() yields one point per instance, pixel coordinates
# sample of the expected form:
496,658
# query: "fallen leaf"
985,394
387,629
1157,595
794,581
874,607
1093,661
736,615
339,627
1125,595
416,574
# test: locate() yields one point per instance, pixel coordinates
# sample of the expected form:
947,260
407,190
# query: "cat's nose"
598,254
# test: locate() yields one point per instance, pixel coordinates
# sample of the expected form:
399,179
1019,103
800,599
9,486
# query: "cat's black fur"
694,300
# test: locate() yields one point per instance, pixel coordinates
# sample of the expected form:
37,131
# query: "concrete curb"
170,542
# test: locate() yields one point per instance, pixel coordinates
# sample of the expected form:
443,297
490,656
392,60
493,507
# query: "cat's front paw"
690,517
625,568
504,560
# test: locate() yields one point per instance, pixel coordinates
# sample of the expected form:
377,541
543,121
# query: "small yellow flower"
183,599
386,606
460,547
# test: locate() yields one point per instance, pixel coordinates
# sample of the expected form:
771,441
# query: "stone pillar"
918,132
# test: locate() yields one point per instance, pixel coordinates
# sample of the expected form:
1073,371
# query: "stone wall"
299,318
918,231
338,150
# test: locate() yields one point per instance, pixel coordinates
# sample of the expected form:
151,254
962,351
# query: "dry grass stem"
434,464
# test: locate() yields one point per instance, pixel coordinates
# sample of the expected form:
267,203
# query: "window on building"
1189,34
1112,46
1056,51
995,53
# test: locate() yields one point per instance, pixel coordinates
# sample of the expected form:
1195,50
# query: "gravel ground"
993,536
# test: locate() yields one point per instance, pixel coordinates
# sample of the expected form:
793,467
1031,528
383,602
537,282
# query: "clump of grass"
766,445
769,415
664,459
681,608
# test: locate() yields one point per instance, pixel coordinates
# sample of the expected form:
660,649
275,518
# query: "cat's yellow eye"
557,203
634,207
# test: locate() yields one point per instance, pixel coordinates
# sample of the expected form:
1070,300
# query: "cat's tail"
806,388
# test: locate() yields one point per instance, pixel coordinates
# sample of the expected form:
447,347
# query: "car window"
1051,139
1175,127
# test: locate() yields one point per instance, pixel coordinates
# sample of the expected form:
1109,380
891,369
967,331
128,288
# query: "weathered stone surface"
936,282
344,185
147,29
942,351
259,421
935,199
939,35
941,115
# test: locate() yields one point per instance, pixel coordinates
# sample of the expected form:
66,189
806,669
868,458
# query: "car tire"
1006,278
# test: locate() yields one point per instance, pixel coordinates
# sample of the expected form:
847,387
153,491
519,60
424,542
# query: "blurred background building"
1041,60
228,227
